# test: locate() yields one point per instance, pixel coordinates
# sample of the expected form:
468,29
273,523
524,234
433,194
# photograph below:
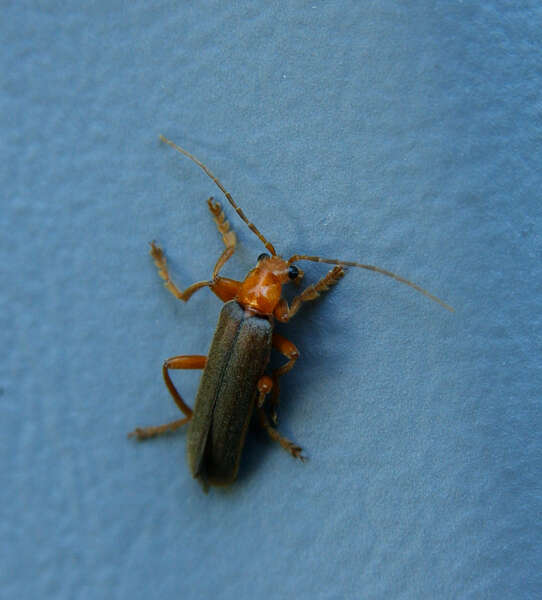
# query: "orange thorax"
260,291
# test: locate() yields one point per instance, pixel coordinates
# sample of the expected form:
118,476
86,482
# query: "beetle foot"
142,433
296,451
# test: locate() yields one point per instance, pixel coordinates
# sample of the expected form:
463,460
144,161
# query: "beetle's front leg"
177,362
284,313
228,235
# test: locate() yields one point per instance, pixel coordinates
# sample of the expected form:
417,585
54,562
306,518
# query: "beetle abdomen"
237,359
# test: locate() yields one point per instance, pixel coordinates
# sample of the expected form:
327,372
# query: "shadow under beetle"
234,382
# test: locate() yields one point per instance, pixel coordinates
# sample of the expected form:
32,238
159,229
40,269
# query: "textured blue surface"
407,137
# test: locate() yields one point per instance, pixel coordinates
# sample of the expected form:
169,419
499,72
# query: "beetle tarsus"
222,224
228,236
292,448
313,291
296,451
145,433
161,264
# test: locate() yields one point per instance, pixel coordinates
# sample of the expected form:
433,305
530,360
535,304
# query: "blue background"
406,135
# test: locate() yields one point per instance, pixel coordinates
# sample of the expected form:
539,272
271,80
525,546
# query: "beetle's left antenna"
239,211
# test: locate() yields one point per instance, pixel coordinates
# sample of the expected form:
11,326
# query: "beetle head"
261,290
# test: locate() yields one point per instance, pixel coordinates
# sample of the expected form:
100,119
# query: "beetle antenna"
346,263
239,211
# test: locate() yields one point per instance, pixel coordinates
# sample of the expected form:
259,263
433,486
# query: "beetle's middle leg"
290,351
177,362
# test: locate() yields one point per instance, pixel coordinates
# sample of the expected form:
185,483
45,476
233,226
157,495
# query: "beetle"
235,382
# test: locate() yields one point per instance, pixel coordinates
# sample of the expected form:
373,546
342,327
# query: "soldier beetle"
235,382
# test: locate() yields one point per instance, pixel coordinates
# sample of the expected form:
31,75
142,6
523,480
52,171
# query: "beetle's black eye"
262,256
293,272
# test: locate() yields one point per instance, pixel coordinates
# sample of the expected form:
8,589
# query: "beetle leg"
144,433
177,362
226,289
289,350
288,445
284,313
228,236
264,387
161,264
181,362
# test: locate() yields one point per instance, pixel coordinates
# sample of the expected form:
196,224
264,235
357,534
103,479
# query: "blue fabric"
405,135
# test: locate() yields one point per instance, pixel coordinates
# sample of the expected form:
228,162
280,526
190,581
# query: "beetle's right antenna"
348,263
239,211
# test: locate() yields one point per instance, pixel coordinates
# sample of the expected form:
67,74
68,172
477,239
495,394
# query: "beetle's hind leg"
264,387
290,447
161,264
228,236
177,362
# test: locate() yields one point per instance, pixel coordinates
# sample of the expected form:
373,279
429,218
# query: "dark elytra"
227,393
